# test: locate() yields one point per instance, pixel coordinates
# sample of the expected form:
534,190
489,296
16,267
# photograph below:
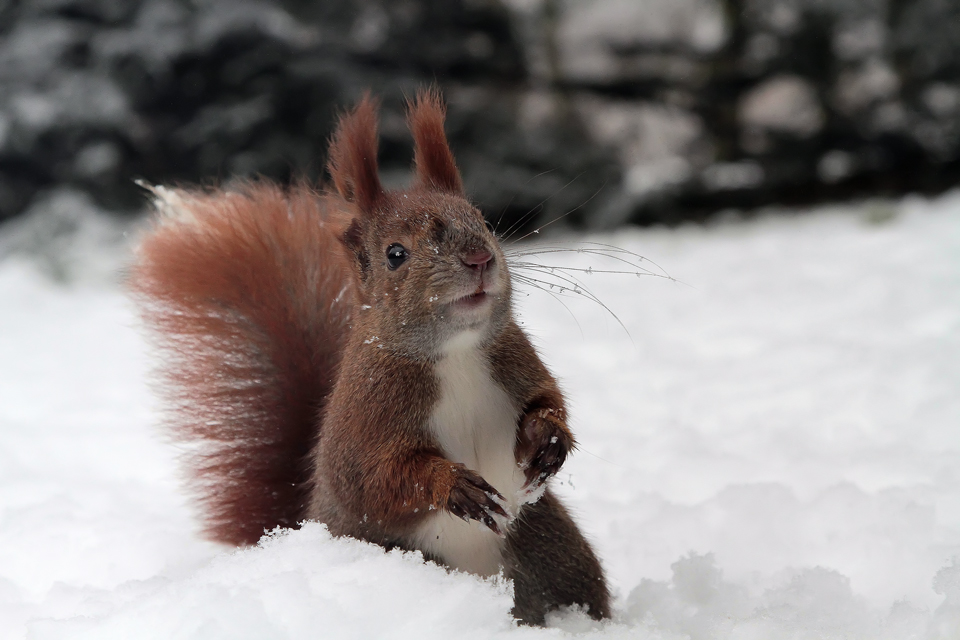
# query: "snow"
653,141
786,103
770,450
591,34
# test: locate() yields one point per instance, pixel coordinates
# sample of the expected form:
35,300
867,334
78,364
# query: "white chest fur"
475,423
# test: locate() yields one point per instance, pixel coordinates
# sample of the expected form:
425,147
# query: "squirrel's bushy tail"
249,295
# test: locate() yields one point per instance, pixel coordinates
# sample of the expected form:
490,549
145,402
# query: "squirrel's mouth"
472,300
480,295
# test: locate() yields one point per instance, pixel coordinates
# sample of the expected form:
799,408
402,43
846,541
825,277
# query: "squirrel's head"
432,274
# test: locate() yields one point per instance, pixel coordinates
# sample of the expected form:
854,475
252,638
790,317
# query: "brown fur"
353,156
240,297
436,168
542,582
305,367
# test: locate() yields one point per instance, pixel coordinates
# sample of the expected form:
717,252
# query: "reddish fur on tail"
249,293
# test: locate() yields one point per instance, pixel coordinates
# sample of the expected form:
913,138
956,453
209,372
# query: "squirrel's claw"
472,498
544,444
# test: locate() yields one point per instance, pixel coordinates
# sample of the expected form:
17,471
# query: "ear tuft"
353,156
436,168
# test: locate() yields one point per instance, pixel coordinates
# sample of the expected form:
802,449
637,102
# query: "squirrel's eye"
396,255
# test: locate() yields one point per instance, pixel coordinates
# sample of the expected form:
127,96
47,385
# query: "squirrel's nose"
478,260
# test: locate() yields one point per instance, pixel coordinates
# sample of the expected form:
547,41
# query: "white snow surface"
770,450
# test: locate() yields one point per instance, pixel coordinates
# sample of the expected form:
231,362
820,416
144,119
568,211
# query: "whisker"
580,448
532,212
558,245
578,287
595,252
591,270
579,206
516,225
622,250
573,283
533,282
604,250
514,197
564,278
563,290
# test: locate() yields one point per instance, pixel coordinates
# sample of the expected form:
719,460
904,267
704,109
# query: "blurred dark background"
643,111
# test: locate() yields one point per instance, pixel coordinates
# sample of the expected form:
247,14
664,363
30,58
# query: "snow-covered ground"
770,450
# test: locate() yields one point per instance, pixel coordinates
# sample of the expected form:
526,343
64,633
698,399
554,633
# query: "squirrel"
351,357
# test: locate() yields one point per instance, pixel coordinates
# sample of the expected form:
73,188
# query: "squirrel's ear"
353,239
353,156
436,168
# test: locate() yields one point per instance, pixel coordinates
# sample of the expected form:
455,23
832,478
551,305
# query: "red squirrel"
352,357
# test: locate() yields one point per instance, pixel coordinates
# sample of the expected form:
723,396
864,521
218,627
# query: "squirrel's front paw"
472,498
544,442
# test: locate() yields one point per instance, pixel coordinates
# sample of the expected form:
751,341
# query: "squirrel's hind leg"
552,565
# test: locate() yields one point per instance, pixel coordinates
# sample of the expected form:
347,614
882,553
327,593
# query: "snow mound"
296,584
768,448
697,603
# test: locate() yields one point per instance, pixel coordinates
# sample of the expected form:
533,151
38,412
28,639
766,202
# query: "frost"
531,494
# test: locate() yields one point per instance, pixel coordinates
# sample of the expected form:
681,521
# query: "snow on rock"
656,144
874,82
784,104
599,39
769,451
